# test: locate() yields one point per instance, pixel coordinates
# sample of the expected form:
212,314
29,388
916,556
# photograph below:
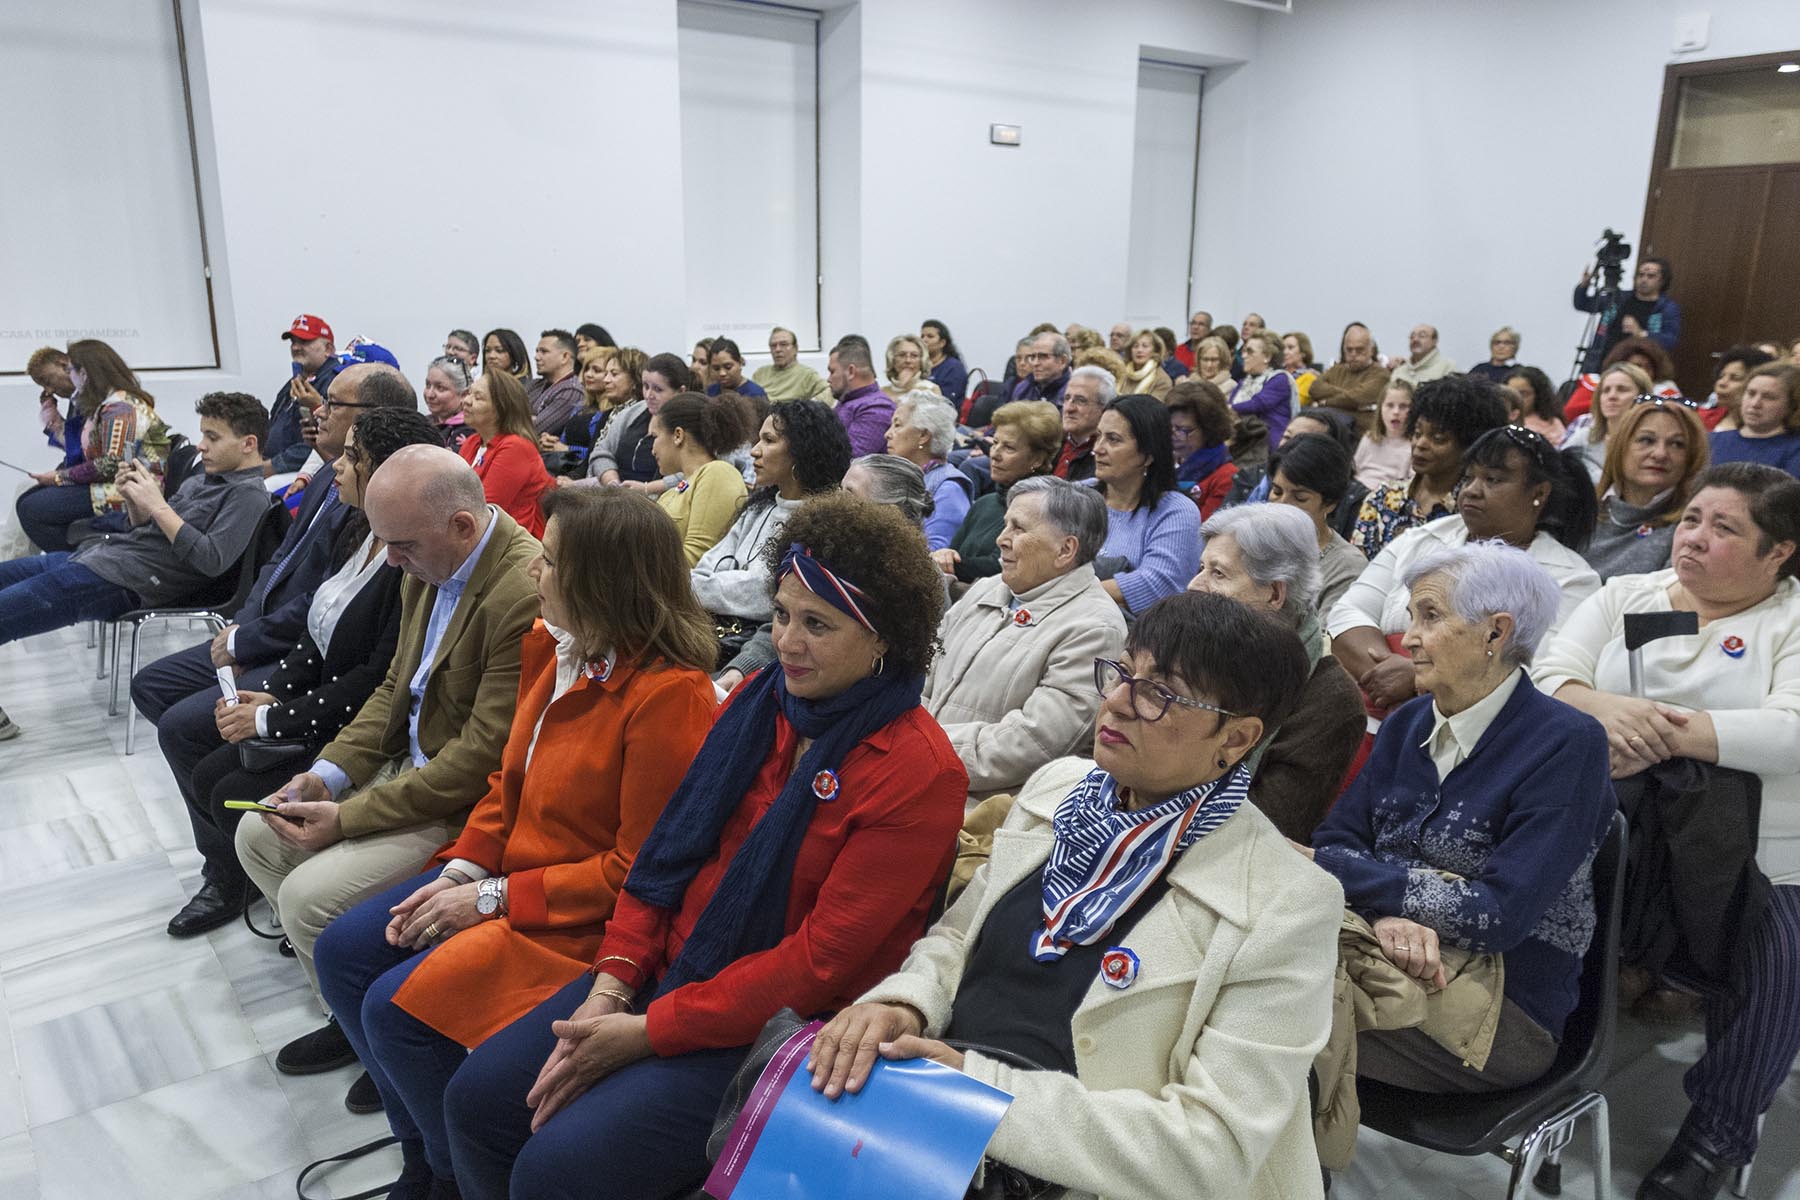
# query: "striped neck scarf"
1105,857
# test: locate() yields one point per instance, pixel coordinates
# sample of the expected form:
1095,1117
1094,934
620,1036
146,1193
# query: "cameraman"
1646,311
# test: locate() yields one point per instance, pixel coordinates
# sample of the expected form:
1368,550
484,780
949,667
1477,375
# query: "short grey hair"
1076,511
1109,387
1277,544
456,369
893,480
1486,578
1059,345
929,412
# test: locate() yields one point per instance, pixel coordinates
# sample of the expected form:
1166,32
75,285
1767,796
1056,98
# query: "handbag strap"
346,1156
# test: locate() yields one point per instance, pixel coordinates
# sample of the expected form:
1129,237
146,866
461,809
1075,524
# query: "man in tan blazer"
399,780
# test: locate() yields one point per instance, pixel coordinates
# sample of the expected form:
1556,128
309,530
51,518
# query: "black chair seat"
1466,1125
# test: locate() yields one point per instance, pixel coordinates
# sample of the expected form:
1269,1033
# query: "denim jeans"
48,592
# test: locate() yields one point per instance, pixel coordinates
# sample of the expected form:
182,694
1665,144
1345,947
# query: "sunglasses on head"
1647,398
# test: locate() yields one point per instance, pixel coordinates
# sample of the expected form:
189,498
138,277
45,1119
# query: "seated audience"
906,368
700,364
1384,454
502,447
1356,382
118,425
1187,353
463,344
1619,385
1297,361
792,867
1149,846
447,383
891,480
863,409
1047,368
1648,356
1173,367
625,452
591,336
1212,364
1657,450
614,702
785,377
1266,390
1027,436
923,432
58,412
1503,348
1768,428
1491,859
1426,363
690,434
1144,375
1312,473
555,395
1153,531
1731,374
800,451
504,350
1517,489
1262,555
944,360
315,357
725,370
1736,555
1085,395
1538,409
608,383
1200,425
1013,684
171,547
398,781
1445,419
352,625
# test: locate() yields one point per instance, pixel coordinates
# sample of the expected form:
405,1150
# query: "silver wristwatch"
490,896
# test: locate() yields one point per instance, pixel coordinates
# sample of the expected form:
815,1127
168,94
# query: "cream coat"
1012,697
1193,1080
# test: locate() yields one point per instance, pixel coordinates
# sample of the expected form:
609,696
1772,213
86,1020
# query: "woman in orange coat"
613,705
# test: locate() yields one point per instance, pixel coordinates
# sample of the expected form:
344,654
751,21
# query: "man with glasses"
461,343
1086,393
1355,383
785,378
1048,361
315,358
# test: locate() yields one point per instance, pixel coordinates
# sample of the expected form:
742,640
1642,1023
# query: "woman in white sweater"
1730,696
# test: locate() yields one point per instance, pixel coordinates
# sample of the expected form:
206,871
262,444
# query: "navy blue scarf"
748,911
1202,462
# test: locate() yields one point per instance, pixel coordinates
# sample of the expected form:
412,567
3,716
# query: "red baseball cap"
308,328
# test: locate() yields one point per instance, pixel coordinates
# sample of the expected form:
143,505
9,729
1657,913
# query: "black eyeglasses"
1647,398
1149,700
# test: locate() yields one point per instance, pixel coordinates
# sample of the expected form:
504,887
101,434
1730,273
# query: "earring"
1490,654
879,665
1223,765
1535,503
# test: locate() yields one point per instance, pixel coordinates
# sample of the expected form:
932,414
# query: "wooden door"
1727,220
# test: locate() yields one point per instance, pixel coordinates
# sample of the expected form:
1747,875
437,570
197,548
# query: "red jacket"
1210,492
869,867
513,476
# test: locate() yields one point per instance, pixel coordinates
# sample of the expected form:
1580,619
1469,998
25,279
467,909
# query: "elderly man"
863,409
1355,383
1088,391
1118,339
1048,362
556,393
1199,329
1014,684
399,780
785,378
310,345
1427,362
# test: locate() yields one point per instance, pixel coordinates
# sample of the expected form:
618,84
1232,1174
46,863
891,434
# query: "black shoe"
213,906
321,1050
285,948
8,731
1689,1170
363,1098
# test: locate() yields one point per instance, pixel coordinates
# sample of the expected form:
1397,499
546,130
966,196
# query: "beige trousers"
309,890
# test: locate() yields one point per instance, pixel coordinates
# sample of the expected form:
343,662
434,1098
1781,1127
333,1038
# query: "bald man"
400,779
1427,362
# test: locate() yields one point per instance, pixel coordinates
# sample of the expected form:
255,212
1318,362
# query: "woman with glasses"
1516,489
1141,936
503,448
1200,425
1656,450
1503,348
447,383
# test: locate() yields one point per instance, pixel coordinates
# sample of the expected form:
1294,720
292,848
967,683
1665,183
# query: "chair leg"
93,634
112,707
1602,1124
1740,1178
101,627
130,708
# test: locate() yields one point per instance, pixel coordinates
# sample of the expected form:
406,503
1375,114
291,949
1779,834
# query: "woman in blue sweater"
1152,530
1475,821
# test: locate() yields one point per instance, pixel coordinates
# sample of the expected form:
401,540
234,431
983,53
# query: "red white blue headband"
819,579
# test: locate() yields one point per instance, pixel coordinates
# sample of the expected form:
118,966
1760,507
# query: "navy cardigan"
1518,820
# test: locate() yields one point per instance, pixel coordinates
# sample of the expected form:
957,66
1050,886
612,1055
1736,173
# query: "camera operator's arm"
1665,323
1586,299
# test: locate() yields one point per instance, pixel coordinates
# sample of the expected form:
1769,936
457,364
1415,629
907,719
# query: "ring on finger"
431,931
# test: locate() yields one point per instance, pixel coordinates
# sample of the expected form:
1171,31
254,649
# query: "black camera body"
1610,258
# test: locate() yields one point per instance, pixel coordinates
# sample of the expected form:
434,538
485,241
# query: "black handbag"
995,1180
734,633
257,755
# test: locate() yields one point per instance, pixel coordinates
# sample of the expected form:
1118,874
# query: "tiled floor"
133,1065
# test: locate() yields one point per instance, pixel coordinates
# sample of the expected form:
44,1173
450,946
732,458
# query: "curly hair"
876,548
241,412
1662,365
818,444
1460,405
1206,404
719,423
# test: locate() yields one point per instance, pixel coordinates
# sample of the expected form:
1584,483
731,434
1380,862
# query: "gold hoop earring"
879,665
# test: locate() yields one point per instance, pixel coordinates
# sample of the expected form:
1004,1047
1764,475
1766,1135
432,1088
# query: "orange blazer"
609,755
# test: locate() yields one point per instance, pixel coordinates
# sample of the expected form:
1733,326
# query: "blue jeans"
45,514
642,1130
410,1062
48,592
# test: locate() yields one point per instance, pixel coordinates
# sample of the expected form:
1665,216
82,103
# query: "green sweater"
974,538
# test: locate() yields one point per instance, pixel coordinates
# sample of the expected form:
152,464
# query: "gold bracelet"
595,969
614,993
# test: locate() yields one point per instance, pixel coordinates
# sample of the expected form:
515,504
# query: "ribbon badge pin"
599,670
1645,530
825,785
1021,617
1733,646
1119,967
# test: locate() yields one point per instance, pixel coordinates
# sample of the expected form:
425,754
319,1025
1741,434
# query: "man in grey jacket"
173,546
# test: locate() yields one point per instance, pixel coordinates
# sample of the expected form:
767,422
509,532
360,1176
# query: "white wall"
1449,161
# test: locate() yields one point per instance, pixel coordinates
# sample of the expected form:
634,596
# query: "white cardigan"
1193,1079
1754,699
731,579
1378,598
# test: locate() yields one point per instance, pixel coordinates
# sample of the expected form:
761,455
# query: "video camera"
1610,257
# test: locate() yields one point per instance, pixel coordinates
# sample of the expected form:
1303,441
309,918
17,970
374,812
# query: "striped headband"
818,579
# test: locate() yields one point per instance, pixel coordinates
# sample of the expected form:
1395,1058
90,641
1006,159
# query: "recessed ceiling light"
1788,68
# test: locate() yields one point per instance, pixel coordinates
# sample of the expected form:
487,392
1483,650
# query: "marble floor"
134,1065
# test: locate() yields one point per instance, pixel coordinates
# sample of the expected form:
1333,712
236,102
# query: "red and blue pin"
1733,646
1119,967
825,785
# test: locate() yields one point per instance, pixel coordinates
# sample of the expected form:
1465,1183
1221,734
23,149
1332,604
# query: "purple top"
1273,402
865,415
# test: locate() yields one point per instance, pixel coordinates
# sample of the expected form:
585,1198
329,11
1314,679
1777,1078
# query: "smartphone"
228,686
250,806
298,370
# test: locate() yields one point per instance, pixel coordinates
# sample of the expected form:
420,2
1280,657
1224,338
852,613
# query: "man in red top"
1199,329
1089,391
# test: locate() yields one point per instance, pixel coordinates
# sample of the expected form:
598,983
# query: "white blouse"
336,594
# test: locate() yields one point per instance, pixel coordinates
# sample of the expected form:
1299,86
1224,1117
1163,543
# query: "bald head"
427,505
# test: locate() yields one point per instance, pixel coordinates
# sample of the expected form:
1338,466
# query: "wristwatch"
490,896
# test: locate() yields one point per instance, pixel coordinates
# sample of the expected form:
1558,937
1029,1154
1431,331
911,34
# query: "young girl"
1384,455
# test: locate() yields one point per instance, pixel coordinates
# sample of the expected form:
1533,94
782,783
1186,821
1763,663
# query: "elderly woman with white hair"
1013,686
1266,556
923,432
1475,820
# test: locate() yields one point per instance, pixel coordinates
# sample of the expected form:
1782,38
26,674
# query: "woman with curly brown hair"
793,867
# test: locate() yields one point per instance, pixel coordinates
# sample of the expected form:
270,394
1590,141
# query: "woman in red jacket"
504,449
613,704
792,868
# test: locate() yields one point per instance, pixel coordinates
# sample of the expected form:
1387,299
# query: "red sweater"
513,476
869,867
